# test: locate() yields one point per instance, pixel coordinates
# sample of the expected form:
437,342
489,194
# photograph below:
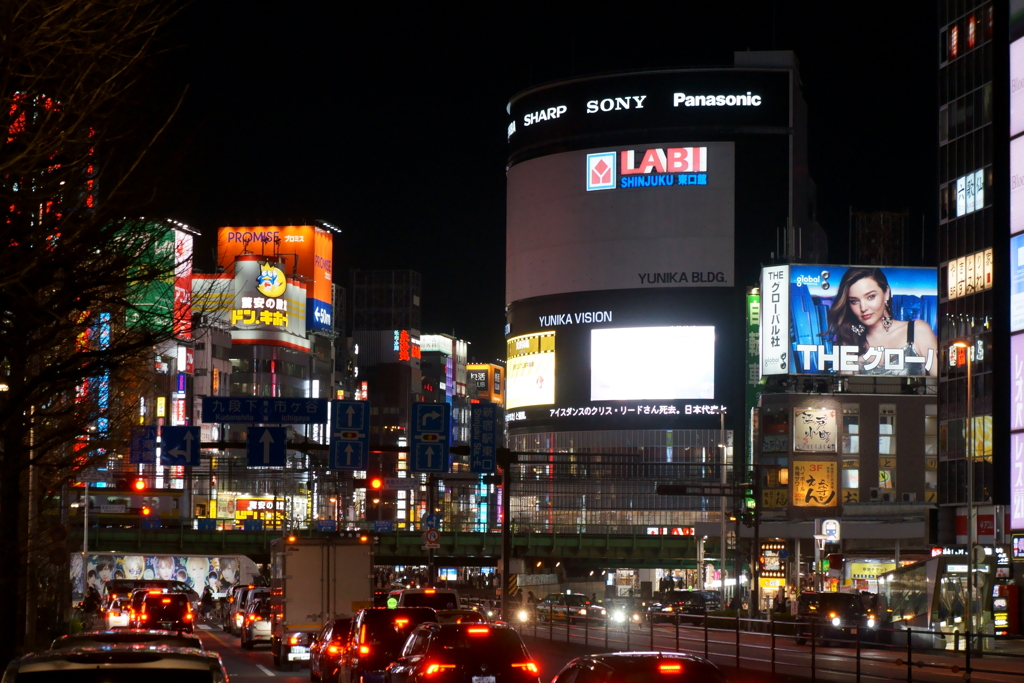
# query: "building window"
886,475
887,429
851,479
931,429
851,428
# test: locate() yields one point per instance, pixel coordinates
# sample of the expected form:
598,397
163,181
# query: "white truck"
314,580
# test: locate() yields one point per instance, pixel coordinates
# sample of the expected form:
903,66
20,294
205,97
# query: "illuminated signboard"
771,560
306,254
969,274
814,483
671,531
814,430
970,193
655,167
840,320
267,309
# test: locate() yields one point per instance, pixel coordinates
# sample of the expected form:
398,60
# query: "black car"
833,616
166,611
464,652
377,638
326,648
690,602
639,667
128,637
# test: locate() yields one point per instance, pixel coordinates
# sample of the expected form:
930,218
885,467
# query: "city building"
627,197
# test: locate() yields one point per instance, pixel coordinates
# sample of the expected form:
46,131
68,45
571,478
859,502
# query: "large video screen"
629,359
631,363
657,215
850,320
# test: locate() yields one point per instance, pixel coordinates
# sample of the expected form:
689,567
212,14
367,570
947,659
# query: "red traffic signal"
146,511
376,483
835,561
139,485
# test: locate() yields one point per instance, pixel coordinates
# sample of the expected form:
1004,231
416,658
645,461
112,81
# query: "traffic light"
733,516
146,511
376,483
747,517
139,485
835,561
370,483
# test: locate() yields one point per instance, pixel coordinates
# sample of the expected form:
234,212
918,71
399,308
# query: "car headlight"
619,616
523,615
583,612
871,622
836,621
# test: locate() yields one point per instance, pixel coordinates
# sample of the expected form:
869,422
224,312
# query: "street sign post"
143,445
266,446
179,446
383,526
432,538
396,483
432,521
485,437
350,435
431,425
243,409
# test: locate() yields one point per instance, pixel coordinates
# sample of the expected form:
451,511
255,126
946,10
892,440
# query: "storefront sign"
814,483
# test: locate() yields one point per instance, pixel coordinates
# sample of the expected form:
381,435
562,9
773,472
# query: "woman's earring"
887,319
857,330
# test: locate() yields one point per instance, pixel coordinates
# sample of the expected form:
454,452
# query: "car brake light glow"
144,617
401,623
433,669
166,601
187,617
673,668
429,591
478,631
294,640
364,649
155,592
528,666
334,647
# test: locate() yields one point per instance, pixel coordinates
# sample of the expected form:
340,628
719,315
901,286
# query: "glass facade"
605,481
967,191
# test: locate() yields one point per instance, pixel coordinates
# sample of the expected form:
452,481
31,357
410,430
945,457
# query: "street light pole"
721,445
971,523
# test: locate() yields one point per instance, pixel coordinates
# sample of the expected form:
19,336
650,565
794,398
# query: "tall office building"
980,109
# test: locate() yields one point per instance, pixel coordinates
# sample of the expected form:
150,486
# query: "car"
252,596
326,648
256,622
571,607
236,612
150,638
117,613
624,611
464,652
166,611
435,598
833,616
378,636
640,667
689,603
119,664
120,588
460,616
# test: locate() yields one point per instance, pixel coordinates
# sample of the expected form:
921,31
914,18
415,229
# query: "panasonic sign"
748,100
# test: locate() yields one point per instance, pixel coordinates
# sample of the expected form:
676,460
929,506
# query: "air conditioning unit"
909,497
888,497
873,495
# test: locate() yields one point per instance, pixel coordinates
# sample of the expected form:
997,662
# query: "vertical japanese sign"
485,437
814,430
1017,431
775,312
814,483
1017,481
753,369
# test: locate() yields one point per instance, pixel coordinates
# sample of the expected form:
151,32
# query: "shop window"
851,479
887,478
887,429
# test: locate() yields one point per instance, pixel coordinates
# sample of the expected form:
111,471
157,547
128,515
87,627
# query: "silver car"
119,664
256,624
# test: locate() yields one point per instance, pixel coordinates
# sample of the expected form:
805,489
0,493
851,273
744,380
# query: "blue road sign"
432,521
484,437
431,425
326,525
179,446
383,526
241,409
350,435
266,446
143,446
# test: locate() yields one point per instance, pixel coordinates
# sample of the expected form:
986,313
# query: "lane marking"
204,627
265,670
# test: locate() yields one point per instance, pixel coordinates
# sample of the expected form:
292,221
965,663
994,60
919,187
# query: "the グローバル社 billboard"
305,251
624,359
621,217
853,320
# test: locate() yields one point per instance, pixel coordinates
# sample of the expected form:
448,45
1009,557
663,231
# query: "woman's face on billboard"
867,301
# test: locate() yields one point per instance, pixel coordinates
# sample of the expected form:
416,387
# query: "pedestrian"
530,598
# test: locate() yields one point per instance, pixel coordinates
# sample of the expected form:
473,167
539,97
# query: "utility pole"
505,459
722,548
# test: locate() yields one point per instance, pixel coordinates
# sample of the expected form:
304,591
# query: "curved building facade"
640,208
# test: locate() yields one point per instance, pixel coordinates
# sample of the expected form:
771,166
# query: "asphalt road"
792,661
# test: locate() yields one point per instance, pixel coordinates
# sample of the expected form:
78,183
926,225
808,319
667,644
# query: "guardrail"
787,647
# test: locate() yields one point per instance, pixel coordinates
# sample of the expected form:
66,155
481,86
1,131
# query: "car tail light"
478,630
334,647
433,669
364,649
294,640
155,592
187,617
430,591
670,668
527,666
401,623
144,617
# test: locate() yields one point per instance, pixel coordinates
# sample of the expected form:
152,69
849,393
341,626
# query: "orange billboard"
307,252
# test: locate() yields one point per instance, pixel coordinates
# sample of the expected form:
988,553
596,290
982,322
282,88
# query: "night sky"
390,123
